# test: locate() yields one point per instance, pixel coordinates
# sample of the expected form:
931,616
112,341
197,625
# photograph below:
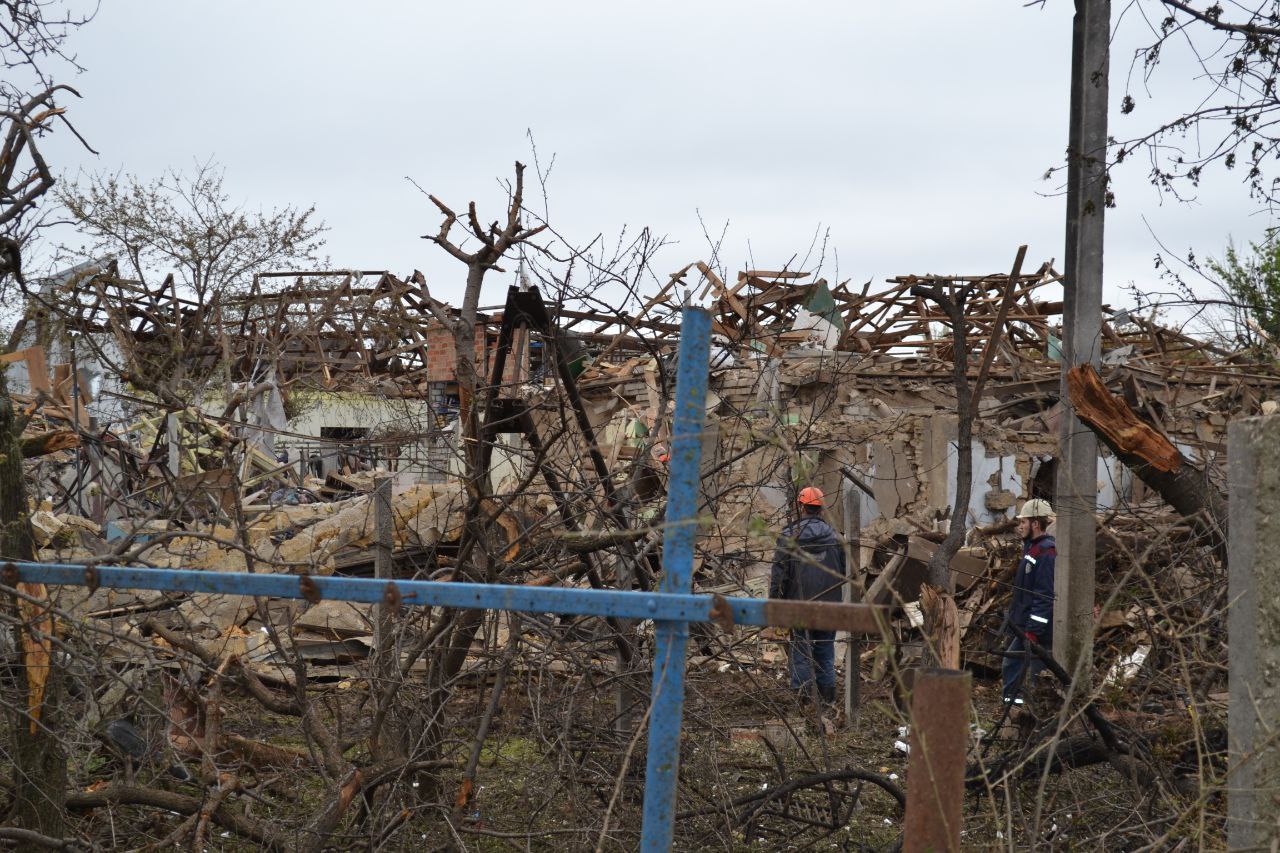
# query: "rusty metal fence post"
935,766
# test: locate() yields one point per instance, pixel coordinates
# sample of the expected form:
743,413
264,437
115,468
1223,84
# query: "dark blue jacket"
808,564
1032,605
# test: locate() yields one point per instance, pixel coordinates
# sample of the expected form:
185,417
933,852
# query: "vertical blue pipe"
671,638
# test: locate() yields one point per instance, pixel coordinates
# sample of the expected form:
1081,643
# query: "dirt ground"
554,775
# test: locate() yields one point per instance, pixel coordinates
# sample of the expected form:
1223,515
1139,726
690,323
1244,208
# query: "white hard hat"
1036,508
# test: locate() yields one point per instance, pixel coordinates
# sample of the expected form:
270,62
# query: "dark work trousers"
812,659
1018,660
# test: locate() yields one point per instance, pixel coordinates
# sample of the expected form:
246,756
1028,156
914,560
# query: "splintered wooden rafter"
369,330
349,329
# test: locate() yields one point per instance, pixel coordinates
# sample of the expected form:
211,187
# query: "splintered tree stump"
942,624
1151,456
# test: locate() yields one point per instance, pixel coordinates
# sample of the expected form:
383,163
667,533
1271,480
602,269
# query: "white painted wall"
350,409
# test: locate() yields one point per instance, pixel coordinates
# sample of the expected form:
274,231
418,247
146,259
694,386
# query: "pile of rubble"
848,389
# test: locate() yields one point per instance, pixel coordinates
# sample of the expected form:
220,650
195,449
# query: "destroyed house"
337,374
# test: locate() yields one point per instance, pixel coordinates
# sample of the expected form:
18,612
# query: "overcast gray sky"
918,133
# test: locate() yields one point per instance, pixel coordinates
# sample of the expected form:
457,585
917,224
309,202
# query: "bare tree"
33,54
495,242
1234,104
32,44
33,41
33,708
187,224
24,175
416,730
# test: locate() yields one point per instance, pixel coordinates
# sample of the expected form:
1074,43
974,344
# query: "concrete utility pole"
1253,632
1077,487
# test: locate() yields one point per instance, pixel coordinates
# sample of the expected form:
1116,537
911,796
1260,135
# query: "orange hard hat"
810,496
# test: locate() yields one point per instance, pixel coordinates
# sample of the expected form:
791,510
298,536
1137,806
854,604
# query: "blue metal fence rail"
659,606
672,608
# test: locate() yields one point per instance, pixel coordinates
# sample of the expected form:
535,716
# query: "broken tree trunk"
939,608
39,759
1151,456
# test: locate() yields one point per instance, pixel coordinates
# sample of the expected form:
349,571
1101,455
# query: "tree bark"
40,777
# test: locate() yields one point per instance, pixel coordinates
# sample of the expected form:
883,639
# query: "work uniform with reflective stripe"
1032,605
1031,610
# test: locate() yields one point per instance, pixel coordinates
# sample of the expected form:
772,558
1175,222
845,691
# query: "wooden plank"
772,274
37,372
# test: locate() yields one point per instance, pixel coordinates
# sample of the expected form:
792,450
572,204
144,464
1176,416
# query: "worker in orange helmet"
809,565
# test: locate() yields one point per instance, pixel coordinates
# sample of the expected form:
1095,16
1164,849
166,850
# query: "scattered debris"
314,395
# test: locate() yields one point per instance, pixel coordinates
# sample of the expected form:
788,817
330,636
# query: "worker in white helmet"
1031,610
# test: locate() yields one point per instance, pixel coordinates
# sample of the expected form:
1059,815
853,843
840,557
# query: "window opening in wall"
1044,483
349,451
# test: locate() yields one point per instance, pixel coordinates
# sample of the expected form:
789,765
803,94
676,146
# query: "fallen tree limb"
1151,456
246,679
224,816
35,840
1100,723
758,799
358,781
259,754
1069,754
327,820
48,442
1131,758
588,541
